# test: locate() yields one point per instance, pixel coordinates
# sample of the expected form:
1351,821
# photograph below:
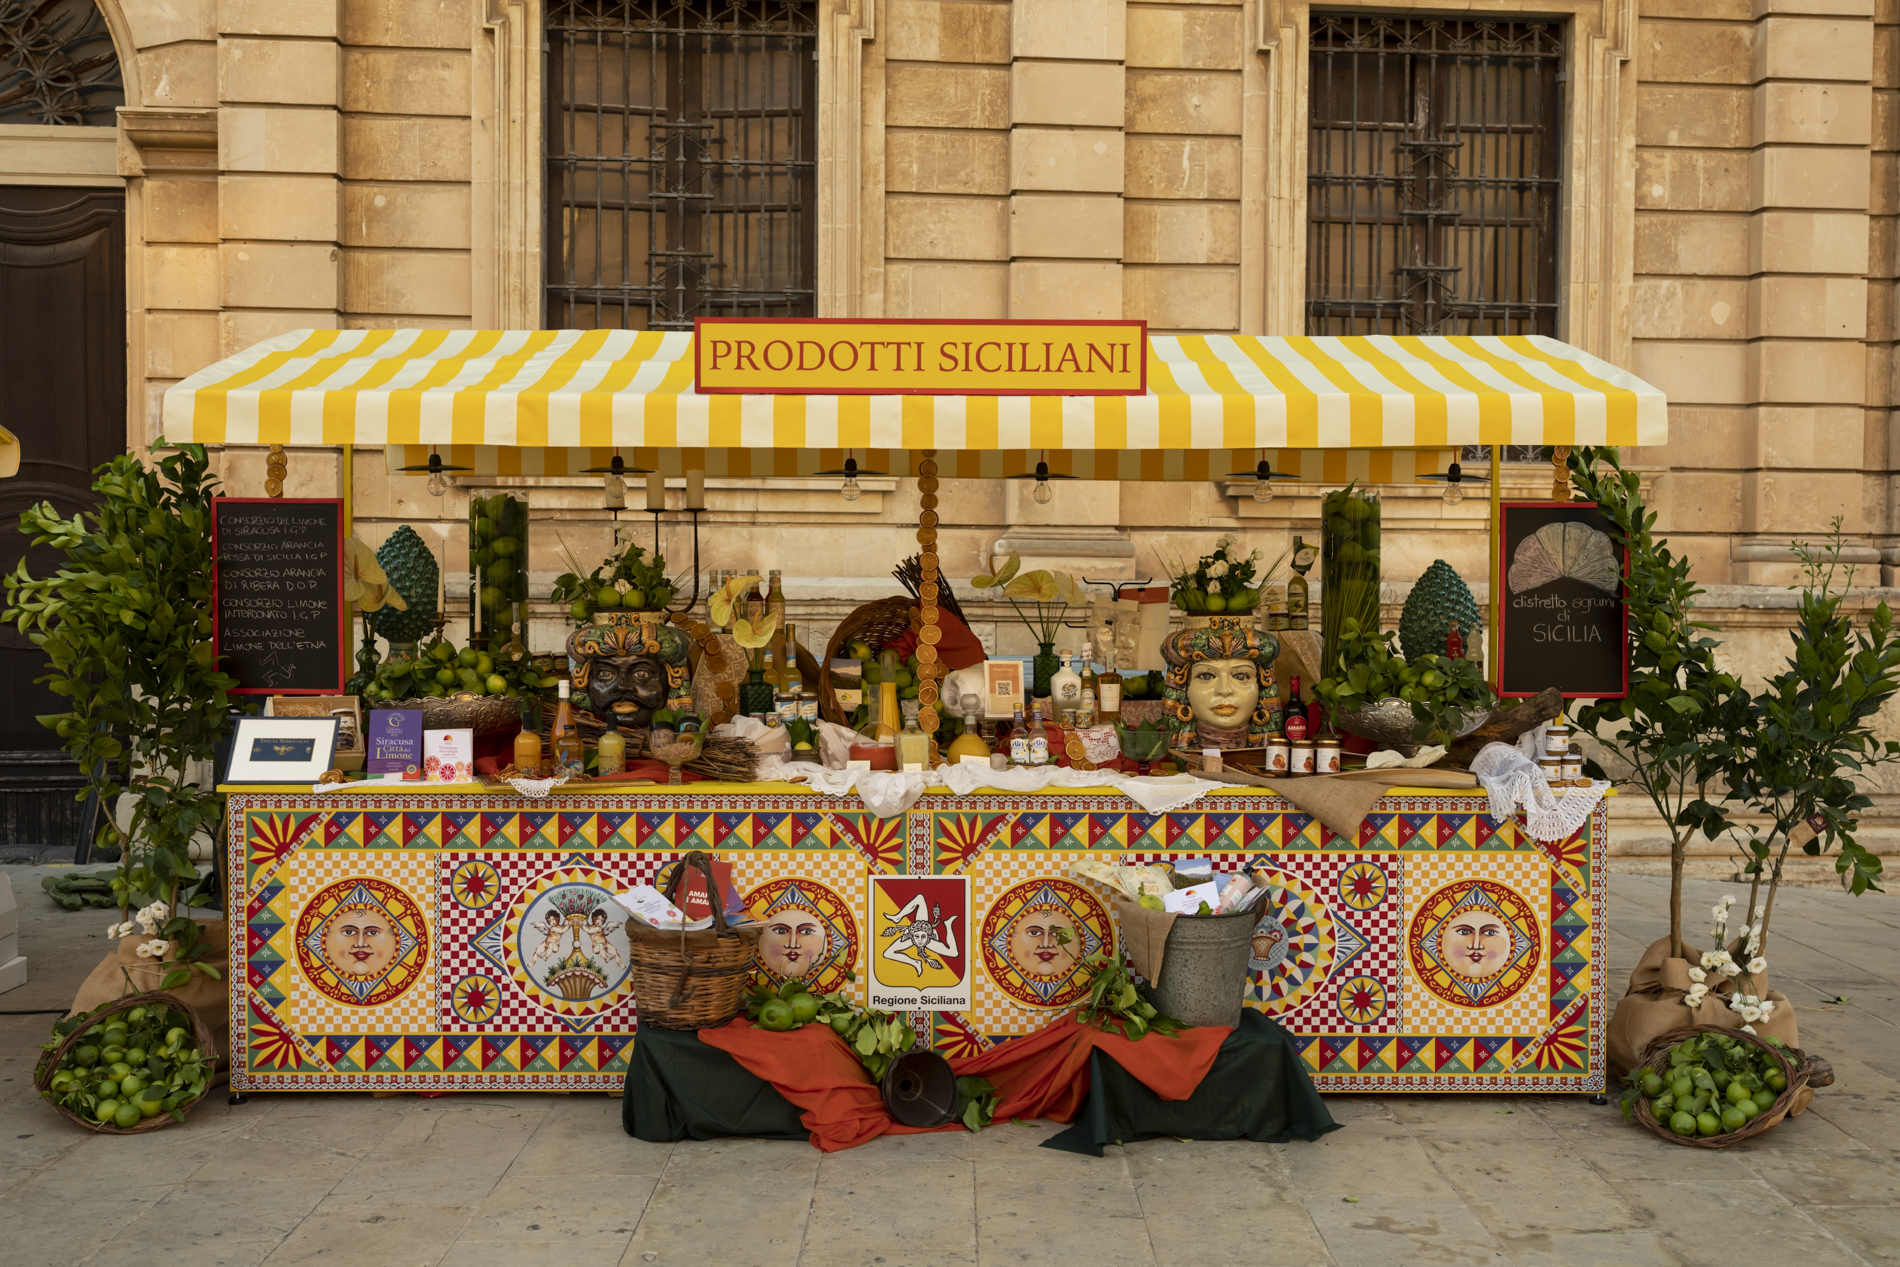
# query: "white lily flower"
1751,1013
1710,959
1767,1009
1728,900
1695,995
1757,966
1698,976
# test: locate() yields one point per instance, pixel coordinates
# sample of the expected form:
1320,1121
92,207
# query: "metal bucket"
1204,969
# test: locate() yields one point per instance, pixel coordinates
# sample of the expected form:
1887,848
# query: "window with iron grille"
681,161
1433,176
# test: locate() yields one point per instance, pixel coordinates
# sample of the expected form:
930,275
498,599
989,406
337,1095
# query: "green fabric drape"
679,1088
1258,1089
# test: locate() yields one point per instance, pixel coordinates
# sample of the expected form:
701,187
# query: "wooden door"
62,392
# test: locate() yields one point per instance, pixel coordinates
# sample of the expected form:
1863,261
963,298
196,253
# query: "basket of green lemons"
133,1065
1710,1087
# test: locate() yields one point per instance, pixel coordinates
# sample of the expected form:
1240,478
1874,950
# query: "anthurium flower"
1002,576
724,601
364,581
752,639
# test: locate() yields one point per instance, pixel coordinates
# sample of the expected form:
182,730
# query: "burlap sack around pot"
122,972
1654,1006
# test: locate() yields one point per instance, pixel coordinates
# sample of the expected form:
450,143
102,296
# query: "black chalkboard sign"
277,623
1563,622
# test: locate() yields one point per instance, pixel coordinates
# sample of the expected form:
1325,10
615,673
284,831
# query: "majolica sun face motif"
1037,938
808,934
1474,943
362,941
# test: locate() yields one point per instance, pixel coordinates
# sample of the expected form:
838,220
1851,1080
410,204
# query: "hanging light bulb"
437,485
1263,483
1453,493
616,489
849,490
1043,493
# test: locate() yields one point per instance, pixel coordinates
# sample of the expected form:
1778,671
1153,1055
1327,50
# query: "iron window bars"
1433,177
681,161
57,64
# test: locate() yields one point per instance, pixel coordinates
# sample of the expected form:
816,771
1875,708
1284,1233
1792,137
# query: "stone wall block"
1828,437
1066,226
180,210
1692,180
1183,167
279,139
1085,161
923,228
1072,94
181,277
405,81
1188,39
409,23
1807,371
1695,373
1802,242
400,214
1810,176
1701,438
1705,501
277,72
1082,290
179,344
406,149
1688,308
946,162
429,283
279,275
241,328
1813,48
1183,298
278,207
317,18
1783,307
964,291
1081,30
1182,233
1813,114
945,31
1784,502
179,76
1713,116
1678,244
1824,8
154,25
946,96
1695,52
1179,102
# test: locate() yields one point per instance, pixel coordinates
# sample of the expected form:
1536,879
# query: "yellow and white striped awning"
1213,402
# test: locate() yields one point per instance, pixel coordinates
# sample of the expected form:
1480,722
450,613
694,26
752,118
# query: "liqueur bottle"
569,758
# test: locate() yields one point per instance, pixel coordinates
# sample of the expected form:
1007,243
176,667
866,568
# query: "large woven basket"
201,1038
1793,1100
875,623
690,980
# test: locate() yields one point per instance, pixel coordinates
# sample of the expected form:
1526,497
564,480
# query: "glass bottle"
789,676
1297,593
498,554
1065,693
528,742
887,714
1018,739
970,742
610,755
1108,687
1038,739
569,758
755,604
755,693
775,606
913,745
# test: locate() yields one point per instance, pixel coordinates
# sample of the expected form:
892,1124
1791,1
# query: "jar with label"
1556,739
1553,767
1274,756
1573,763
1299,757
1326,757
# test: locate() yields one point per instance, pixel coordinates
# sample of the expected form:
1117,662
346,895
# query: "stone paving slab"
468,1181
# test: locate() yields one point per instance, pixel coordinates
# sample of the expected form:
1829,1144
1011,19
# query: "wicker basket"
874,624
690,980
483,714
1793,1099
200,1036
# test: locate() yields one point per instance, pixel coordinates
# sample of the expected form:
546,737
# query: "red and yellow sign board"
825,357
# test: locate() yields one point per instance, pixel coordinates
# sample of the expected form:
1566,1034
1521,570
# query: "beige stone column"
1806,439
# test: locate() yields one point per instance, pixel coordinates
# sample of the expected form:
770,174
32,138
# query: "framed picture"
1003,688
281,749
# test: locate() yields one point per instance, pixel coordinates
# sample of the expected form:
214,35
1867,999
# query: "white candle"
695,490
656,491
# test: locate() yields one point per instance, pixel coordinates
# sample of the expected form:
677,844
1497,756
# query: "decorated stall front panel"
431,942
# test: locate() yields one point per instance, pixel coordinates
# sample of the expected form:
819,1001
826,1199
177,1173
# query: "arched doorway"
62,358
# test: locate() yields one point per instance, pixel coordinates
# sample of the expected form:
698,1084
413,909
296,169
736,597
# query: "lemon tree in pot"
125,623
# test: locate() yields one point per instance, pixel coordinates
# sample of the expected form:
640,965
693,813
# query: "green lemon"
108,1089
1733,1118
1662,1106
131,1084
152,1103
635,598
580,612
445,677
1151,902
1777,1081
496,684
792,989
126,1117
1750,1108
87,1055
776,1015
1652,1083
501,572
841,1022
606,596
804,1008
1708,1124
484,529
1736,1092
1682,1087
493,507
505,548
1683,1123
116,1034
467,658
105,1111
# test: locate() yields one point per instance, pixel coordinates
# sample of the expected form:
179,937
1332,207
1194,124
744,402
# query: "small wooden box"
350,753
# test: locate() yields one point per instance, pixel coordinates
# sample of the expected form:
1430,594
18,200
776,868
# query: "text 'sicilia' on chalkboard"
1563,621
278,627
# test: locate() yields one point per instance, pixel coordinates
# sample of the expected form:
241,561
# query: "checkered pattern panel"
307,872
1527,873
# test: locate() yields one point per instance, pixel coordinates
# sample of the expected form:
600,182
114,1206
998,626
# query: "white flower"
1750,1012
1754,941
1213,587
1698,976
1223,542
157,948
1728,900
622,586
1710,959
1695,995
1218,568
1767,1009
1748,1029
116,929
145,950
1757,966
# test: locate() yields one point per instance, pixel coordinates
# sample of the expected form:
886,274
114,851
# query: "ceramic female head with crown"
1219,690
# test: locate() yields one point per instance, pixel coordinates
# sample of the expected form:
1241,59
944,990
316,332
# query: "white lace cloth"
1512,780
886,792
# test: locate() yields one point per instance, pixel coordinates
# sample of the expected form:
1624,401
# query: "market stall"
490,968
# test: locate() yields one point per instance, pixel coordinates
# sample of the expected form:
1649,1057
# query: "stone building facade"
1726,226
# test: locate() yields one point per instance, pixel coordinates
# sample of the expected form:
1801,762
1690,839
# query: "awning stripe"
1207,393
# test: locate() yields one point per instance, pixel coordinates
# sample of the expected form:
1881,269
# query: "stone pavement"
471,1180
